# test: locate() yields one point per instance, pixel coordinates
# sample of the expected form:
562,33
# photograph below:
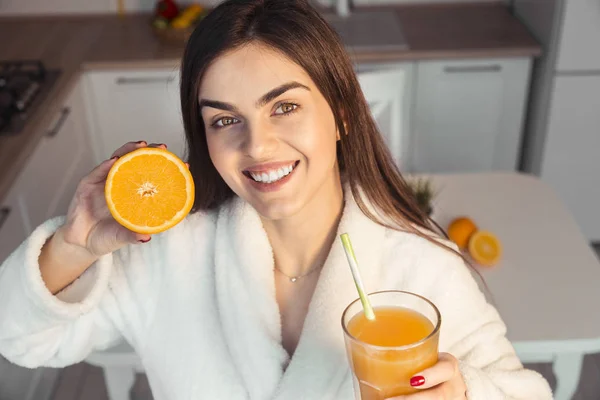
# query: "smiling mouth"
272,175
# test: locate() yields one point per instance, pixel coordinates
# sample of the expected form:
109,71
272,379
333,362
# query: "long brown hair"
296,29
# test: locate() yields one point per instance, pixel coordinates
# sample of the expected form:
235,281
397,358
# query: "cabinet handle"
148,79
64,114
4,213
473,68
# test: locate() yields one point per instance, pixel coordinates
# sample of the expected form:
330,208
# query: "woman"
243,299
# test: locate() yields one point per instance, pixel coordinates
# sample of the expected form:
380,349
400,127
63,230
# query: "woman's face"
271,134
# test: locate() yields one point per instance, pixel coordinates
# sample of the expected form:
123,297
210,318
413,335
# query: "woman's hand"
443,381
89,232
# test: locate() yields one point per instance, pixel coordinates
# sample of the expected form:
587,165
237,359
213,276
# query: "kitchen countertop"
78,43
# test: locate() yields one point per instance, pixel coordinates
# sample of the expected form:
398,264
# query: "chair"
120,364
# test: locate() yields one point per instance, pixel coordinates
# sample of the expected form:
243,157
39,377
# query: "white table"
547,286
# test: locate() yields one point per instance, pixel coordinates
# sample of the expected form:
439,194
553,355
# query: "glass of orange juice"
385,353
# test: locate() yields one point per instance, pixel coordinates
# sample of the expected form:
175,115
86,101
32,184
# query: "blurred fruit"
180,23
485,248
460,231
149,190
160,23
166,9
187,17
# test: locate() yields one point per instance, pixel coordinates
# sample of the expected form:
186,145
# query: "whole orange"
460,231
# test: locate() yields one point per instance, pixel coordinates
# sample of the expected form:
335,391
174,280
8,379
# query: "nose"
260,142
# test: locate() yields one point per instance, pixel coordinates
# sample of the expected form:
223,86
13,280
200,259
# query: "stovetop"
23,87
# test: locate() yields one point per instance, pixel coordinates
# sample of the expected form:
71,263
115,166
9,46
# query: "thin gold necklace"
294,279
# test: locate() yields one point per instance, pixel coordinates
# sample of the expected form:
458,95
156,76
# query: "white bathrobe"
198,305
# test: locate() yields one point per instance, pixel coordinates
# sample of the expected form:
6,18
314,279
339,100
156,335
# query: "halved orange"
149,190
460,231
485,248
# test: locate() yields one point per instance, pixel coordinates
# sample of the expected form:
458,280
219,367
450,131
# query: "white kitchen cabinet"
82,161
12,226
386,90
43,189
571,163
132,105
436,116
468,115
62,157
144,105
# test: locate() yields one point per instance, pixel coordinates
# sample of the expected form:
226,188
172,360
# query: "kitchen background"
19,7
467,86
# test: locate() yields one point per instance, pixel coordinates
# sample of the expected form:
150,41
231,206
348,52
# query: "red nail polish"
417,381
145,241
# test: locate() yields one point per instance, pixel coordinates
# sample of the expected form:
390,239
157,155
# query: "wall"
32,7
12,7
366,2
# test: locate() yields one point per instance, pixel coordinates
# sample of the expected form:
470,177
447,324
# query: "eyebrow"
266,98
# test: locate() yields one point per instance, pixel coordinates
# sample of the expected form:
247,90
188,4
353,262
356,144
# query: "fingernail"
114,158
144,241
164,145
417,381
141,141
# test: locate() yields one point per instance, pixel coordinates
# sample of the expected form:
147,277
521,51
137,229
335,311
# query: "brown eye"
222,122
286,108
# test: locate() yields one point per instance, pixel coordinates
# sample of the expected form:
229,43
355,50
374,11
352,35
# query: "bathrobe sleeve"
94,312
472,329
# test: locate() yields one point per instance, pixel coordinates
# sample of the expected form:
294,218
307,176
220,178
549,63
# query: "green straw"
364,299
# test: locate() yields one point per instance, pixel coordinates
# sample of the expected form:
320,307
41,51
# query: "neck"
302,242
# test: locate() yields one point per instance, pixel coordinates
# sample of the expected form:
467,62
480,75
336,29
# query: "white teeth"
273,175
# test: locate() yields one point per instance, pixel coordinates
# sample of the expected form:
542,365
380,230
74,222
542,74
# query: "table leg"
567,368
119,381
